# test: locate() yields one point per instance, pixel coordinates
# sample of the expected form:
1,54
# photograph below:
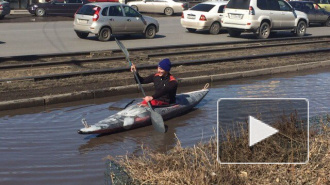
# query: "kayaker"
165,84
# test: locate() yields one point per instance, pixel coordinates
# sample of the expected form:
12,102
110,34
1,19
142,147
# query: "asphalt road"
26,38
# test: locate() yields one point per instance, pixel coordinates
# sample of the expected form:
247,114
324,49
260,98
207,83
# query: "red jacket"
165,86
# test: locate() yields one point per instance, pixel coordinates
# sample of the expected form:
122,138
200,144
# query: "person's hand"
148,98
133,68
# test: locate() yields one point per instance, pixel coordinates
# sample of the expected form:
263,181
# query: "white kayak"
136,116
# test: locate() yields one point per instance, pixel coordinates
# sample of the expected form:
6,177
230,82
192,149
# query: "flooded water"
41,145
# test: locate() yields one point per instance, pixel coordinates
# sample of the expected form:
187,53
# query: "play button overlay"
263,130
259,131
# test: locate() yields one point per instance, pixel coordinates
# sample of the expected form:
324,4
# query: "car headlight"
35,6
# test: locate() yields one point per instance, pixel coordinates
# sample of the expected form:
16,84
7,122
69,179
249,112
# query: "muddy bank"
96,86
28,89
199,165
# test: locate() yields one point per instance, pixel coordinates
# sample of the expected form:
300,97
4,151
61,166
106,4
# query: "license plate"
235,16
191,16
83,21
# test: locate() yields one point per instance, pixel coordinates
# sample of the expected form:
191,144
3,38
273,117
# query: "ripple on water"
41,146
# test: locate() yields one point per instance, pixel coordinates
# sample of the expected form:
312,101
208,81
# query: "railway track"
58,66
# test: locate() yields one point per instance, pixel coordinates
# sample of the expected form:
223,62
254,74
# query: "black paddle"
156,119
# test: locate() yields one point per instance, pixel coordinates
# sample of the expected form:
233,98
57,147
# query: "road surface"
58,37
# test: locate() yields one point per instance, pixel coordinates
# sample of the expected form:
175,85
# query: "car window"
273,5
300,6
87,10
221,9
324,2
239,4
262,4
284,6
149,0
309,6
58,1
130,12
115,11
74,1
202,7
297,6
105,11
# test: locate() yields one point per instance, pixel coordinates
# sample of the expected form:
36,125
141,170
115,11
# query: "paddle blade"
122,47
157,121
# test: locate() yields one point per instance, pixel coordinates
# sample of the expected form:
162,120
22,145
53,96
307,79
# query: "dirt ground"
12,90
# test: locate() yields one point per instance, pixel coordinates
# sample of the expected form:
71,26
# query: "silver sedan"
106,18
168,7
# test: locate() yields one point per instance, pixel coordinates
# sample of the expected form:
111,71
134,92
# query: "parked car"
263,16
105,19
204,16
4,9
322,3
314,15
56,7
168,7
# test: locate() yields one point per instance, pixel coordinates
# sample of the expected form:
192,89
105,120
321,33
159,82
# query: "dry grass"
288,146
199,165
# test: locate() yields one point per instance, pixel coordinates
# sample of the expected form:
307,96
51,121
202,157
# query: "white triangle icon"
259,131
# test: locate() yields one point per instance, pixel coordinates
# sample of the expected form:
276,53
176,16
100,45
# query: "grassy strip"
287,146
198,165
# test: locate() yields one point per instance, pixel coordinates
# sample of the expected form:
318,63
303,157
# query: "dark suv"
56,7
318,15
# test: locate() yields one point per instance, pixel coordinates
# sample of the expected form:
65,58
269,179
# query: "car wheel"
104,34
301,29
40,12
234,33
215,28
191,30
264,31
82,35
150,32
327,23
135,7
168,11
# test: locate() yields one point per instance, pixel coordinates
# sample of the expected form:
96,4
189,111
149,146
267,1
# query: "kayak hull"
136,116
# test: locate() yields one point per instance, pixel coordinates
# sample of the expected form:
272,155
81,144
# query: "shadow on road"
124,37
32,18
14,18
279,34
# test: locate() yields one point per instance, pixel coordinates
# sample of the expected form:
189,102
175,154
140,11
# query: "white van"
261,17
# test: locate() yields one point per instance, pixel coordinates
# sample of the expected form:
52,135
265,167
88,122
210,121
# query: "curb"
19,12
114,91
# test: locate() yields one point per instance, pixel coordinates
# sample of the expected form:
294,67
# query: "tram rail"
189,54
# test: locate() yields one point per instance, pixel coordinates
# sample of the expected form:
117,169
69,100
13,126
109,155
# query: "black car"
56,7
319,15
